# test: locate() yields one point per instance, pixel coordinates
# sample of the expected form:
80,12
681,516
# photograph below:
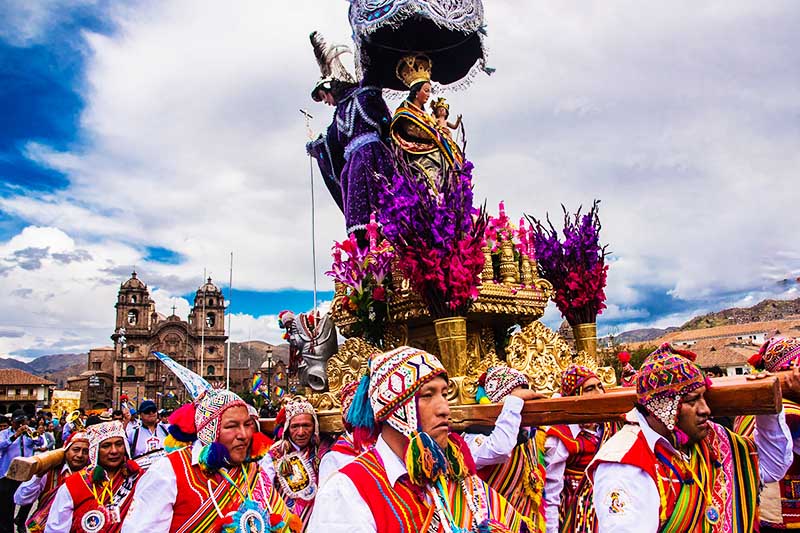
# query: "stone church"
198,343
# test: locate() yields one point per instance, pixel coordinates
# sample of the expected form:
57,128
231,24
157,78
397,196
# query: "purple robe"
353,156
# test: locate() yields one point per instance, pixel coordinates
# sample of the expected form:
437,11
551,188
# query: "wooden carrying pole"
24,468
727,397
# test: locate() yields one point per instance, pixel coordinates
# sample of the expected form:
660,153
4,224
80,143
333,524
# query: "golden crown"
413,69
440,102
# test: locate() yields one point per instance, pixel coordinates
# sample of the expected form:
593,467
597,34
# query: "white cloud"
680,118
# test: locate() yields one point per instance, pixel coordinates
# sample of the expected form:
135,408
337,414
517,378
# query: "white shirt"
146,440
31,489
638,494
60,518
497,447
556,455
339,507
331,463
156,492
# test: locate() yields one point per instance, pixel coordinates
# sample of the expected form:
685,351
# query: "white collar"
197,447
66,469
650,435
391,462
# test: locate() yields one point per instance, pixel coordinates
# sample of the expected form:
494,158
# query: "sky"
163,136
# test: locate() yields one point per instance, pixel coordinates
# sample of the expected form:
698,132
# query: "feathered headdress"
329,62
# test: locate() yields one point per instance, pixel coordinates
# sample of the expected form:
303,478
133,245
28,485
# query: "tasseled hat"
573,378
498,382
387,395
778,353
200,419
99,433
665,377
346,395
299,406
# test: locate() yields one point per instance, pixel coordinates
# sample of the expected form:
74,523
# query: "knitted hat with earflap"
665,377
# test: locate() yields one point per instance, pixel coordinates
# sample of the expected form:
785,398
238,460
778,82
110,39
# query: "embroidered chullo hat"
665,377
395,377
299,406
387,396
499,381
573,378
98,433
776,354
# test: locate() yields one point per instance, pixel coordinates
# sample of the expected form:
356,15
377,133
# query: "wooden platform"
729,396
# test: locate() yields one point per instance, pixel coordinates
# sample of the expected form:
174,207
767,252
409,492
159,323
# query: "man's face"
111,453
301,429
693,415
592,387
77,455
149,418
433,410
236,433
327,97
3,425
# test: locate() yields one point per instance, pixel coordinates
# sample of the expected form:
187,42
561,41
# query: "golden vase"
586,338
451,333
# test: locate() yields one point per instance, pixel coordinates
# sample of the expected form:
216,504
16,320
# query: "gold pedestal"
586,338
451,334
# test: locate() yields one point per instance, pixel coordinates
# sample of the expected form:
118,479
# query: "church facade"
198,343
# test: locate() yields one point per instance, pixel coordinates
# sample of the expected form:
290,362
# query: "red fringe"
624,357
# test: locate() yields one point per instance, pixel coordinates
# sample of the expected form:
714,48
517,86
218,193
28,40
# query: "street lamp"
269,380
121,341
163,390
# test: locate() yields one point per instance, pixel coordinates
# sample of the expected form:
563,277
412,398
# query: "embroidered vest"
296,476
724,463
395,509
194,509
520,479
53,480
87,514
780,501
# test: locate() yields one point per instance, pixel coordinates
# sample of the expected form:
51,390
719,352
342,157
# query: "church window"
211,319
131,348
96,365
133,317
130,371
210,371
211,302
133,298
212,349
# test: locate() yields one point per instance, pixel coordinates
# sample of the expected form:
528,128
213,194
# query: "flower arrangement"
576,267
437,237
364,271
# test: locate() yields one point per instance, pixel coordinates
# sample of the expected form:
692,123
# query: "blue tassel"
480,395
179,435
214,456
361,414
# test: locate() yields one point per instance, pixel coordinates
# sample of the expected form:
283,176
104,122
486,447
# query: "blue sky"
163,136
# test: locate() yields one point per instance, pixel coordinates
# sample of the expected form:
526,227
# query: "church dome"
208,288
133,283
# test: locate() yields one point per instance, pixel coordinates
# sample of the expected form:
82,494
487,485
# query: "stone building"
96,383
22,390
198,343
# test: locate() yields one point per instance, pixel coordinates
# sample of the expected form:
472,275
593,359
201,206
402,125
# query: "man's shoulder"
619,445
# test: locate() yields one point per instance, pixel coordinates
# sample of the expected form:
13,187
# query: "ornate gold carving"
525,271
346,365
541,354
487,275
509,272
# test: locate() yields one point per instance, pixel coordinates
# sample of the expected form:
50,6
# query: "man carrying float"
213,483
292,462
42,488
97,498
419,476
675,470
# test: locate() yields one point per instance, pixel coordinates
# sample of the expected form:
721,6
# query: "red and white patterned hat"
501,380
99,433
210,407
395,377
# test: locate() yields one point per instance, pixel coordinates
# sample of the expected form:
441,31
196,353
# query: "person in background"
149,435
15,441
42,489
